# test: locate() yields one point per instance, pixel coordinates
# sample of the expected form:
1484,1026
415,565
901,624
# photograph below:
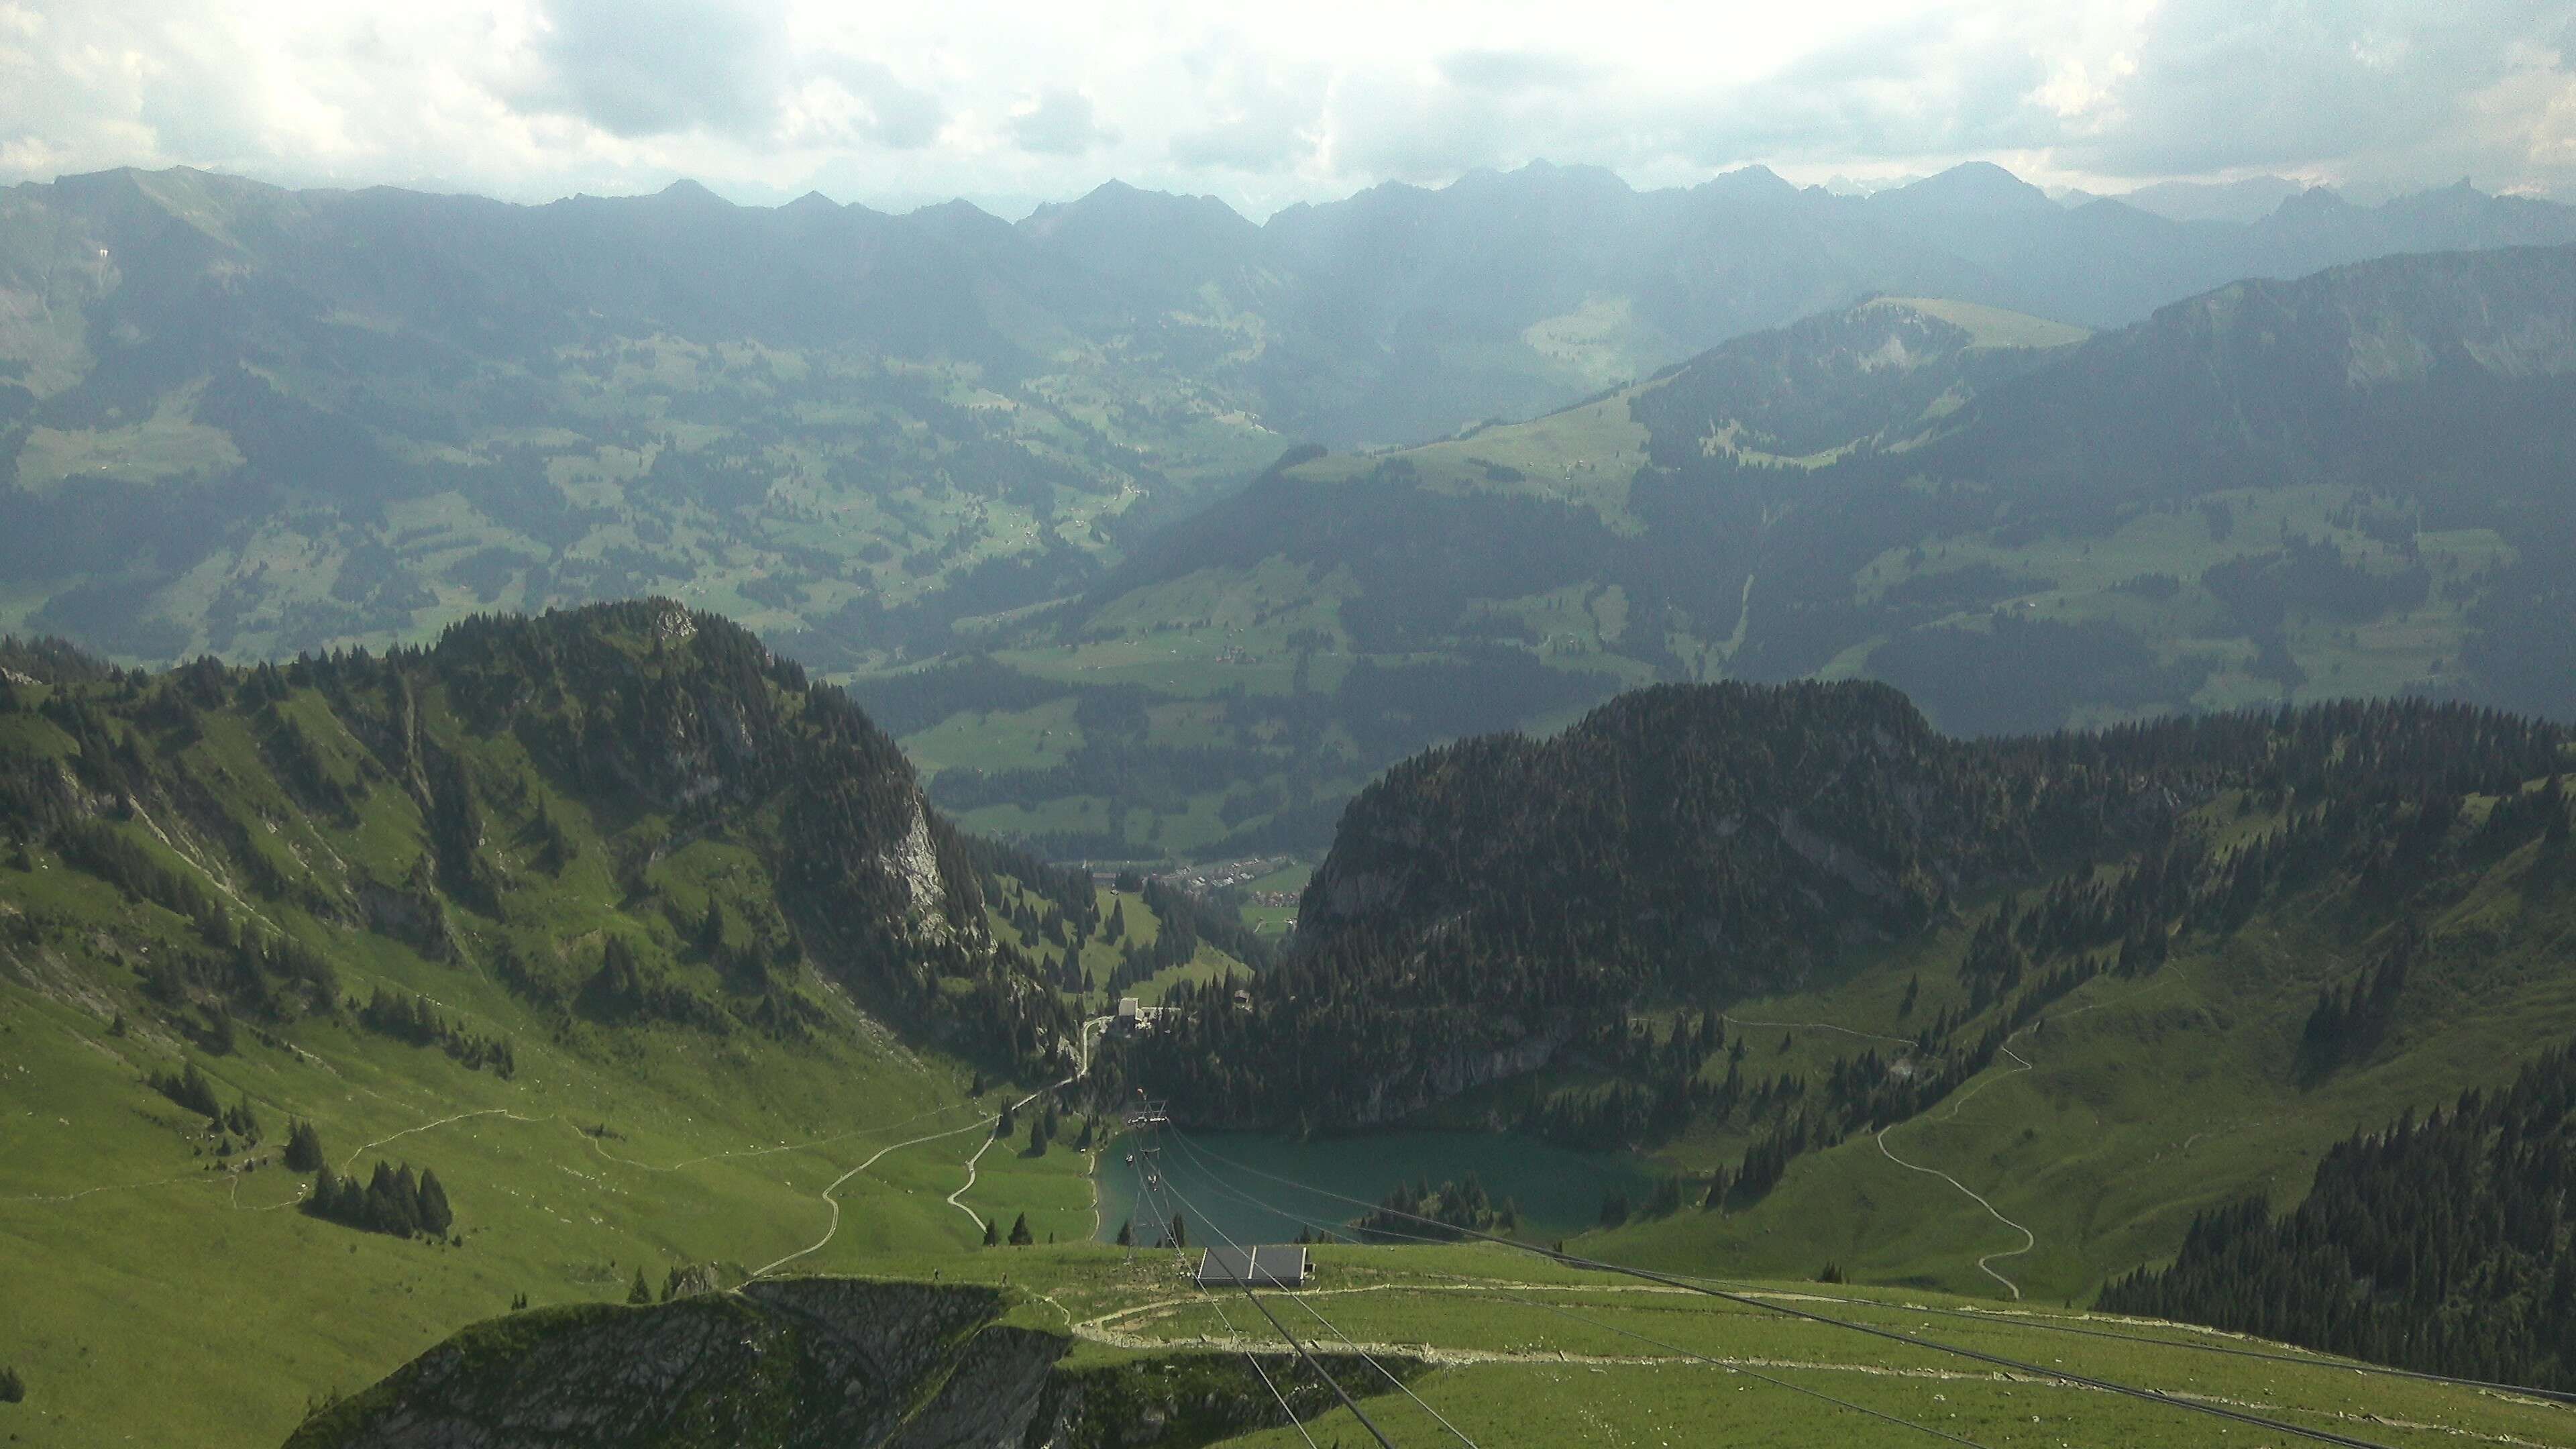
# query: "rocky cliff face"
803,1362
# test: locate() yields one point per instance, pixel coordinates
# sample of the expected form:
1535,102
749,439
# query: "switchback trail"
1985,1265
832,1200
987,1146
2020,1065
834,1203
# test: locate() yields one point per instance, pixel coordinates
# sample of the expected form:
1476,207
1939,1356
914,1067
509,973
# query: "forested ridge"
2446,1244
1503,903
451,798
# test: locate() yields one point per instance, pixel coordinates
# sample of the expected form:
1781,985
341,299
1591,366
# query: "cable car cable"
1486,1289
2113,1386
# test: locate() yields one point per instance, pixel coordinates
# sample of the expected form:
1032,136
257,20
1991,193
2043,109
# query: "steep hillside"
1748,929
2441,1244
256,421
2345,485
367,994
1269,654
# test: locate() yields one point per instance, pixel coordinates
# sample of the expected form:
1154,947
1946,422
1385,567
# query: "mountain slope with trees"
369,993
2440,1244
2280,491
1695,846
1749,929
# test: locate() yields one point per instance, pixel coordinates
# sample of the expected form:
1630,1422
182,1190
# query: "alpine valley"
1752,815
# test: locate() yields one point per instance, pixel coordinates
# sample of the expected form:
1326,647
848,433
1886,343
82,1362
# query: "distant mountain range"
251,420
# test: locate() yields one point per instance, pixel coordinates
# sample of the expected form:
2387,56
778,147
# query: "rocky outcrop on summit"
806,1362
817,1363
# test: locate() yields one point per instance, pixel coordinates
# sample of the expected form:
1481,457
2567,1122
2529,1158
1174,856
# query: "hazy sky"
895,105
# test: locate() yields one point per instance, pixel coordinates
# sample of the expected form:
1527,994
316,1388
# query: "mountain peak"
1754,180
1115,213
2316,201
690,193
1970,183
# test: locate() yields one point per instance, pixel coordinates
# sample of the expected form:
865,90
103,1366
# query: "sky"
1012,105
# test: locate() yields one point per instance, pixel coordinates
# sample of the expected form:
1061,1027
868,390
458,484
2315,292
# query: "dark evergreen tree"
435,1215
1020,1231
303,1146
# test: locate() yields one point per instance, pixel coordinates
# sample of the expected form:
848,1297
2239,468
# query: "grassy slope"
127,1242
2145,1100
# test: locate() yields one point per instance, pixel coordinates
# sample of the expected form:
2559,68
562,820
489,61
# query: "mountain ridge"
874,427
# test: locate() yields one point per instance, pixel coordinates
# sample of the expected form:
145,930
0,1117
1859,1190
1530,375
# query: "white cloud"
1059,123
652,67
1015,103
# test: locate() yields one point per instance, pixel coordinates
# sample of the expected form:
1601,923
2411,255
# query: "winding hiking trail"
832,1200
352,1159
834,1203
1985,1265
1816,1026
687,1162
988,1146
2021,1064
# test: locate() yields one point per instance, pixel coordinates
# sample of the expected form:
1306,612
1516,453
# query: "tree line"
2445,1244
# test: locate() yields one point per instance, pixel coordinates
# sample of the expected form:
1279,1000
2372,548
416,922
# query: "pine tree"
1127,1233
1180,1232
1020,1237
326,1192
435,1216
1716,1196
392,1202
992,1235
303,1146
642,1292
